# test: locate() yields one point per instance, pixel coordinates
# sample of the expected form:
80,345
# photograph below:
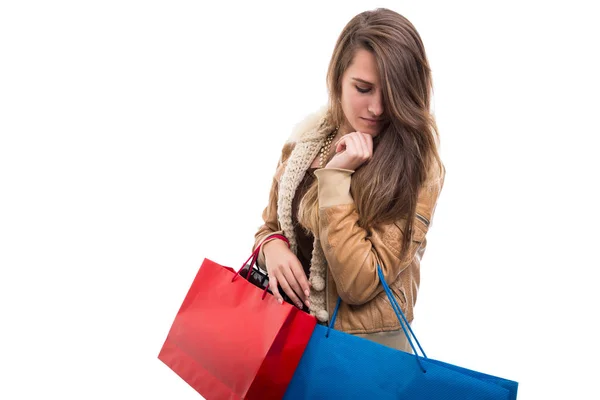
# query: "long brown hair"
385,189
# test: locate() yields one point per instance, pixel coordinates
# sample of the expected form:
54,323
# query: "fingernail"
280,301
307,303
299,305
307,293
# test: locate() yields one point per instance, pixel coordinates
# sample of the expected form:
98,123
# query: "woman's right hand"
284,268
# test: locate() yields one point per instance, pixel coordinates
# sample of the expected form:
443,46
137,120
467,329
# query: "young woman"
357,184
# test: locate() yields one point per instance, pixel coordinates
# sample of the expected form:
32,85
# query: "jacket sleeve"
352,252
270,224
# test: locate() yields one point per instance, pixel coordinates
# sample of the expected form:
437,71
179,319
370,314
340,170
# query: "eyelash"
361,90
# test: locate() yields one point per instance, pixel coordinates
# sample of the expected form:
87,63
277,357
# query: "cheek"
353,105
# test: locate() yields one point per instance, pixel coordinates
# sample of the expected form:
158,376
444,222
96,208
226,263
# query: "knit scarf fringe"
304,153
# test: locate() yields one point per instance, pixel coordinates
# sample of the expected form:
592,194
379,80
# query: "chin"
370,131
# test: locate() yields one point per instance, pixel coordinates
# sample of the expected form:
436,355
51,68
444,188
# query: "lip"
372,121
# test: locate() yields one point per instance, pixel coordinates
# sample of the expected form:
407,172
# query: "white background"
139,137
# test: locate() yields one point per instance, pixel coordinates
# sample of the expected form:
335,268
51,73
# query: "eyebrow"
363,81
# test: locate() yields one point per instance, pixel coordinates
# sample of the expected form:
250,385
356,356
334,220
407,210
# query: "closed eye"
362,90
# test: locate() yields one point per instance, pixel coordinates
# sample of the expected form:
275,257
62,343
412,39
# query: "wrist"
274,243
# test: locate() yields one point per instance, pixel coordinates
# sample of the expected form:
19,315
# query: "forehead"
364,67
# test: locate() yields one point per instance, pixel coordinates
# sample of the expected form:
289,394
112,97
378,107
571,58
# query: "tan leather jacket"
353,253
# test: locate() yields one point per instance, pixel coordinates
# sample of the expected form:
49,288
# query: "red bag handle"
254,255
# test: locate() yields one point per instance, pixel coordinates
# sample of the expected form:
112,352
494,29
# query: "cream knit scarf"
306,149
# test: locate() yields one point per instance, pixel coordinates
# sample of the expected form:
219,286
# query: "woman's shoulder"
435,174
286,151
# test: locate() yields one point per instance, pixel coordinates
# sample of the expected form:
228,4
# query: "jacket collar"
313,128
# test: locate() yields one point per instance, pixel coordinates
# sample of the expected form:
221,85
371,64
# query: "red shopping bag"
232,340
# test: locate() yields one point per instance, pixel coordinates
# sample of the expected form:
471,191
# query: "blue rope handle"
399,314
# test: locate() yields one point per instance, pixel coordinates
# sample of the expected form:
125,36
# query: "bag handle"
399,314
254,258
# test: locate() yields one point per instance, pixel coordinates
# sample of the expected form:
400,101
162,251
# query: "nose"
376,107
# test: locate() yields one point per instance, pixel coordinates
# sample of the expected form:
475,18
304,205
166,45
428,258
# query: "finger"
275,289
341,144
355,146
364,147
298,272
292,281
370,145
340,139
363,151
290,277
288,289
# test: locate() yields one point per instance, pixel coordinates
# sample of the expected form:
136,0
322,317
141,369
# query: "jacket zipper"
423,219
327,292
399,294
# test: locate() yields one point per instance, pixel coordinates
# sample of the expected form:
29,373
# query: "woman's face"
361,95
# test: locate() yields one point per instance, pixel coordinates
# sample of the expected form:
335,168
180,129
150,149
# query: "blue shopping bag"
339,365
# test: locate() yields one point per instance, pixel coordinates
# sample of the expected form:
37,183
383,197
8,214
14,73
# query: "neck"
345,128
